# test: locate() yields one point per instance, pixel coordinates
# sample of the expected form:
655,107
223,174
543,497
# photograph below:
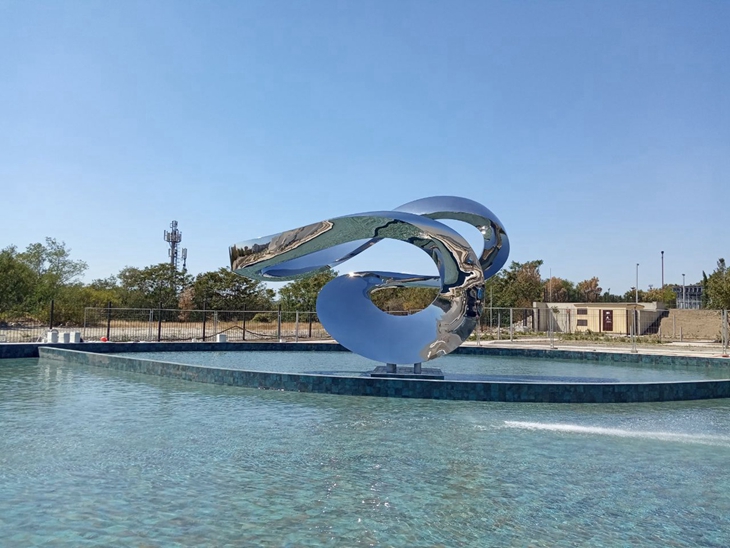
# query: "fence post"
550,327
633,339
159,323
243,336
150,324
278,324
511,325
205,303
310,314
50,320
215,322
724,333
499,325
108,320
296,327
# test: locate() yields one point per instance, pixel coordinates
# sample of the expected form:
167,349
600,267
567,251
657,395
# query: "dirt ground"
693,325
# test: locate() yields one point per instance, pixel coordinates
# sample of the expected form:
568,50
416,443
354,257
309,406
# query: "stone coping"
30,350
404,388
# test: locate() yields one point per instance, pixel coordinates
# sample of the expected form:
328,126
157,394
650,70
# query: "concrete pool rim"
98,354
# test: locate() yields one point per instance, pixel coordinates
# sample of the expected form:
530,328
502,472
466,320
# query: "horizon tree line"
45,272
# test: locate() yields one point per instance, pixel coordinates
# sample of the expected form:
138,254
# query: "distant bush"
261,318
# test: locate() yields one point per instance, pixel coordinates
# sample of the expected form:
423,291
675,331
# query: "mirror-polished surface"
344,305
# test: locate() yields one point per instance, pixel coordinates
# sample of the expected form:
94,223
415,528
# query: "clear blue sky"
599,132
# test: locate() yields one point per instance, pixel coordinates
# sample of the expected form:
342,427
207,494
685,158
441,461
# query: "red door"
607,320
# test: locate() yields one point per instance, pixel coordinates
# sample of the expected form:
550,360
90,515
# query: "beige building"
608,318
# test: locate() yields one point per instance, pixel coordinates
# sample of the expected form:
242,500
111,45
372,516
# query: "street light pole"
662,270
636,291
684,295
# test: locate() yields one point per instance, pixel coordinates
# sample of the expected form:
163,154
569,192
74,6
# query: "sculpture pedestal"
407,372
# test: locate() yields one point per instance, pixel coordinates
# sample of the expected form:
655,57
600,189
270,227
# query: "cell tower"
174,237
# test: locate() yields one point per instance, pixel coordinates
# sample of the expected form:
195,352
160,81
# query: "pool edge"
643,392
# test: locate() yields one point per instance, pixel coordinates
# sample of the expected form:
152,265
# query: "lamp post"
662,270
684,301
636,308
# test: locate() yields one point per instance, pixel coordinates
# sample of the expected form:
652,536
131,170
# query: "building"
688,296
606,318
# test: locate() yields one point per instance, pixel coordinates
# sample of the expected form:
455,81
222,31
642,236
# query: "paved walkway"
704,349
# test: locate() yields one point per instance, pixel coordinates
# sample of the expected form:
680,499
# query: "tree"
16,282
72,300
225,290
155,286
302,294
517,287
716,287
589,290
666,296
403,298
52,268
558,290
631,295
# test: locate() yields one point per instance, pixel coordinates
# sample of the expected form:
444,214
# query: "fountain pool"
454,366
101,457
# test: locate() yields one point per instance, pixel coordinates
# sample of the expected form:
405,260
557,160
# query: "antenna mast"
174,237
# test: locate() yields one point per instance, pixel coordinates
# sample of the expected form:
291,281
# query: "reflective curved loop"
344,305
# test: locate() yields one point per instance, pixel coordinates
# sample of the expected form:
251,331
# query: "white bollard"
221,337
52,337
65,338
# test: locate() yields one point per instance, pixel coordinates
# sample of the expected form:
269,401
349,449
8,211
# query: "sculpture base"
407,372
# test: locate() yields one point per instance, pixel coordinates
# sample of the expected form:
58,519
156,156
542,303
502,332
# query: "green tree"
630,296
152,286
716,287
558,290
666,296
72,300
17,282
517,287
403,298
589,290
302,294
223,289
52,269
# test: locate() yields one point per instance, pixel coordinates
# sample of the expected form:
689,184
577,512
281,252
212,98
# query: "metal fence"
134,324
606,323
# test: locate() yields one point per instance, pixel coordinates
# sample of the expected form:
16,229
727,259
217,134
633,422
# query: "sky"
598,132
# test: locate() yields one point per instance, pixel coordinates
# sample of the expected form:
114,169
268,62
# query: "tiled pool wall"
30,350
401,388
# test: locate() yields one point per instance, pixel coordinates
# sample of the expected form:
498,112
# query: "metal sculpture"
344,306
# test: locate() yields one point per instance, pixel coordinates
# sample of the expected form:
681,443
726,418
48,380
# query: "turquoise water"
497,368
96,457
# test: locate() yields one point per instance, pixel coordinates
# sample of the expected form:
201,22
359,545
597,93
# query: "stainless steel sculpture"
344,306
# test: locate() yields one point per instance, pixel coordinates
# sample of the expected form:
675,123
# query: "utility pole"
636,291
684,300
662,270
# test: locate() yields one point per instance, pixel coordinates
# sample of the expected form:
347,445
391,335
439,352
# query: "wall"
692,324
405,388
